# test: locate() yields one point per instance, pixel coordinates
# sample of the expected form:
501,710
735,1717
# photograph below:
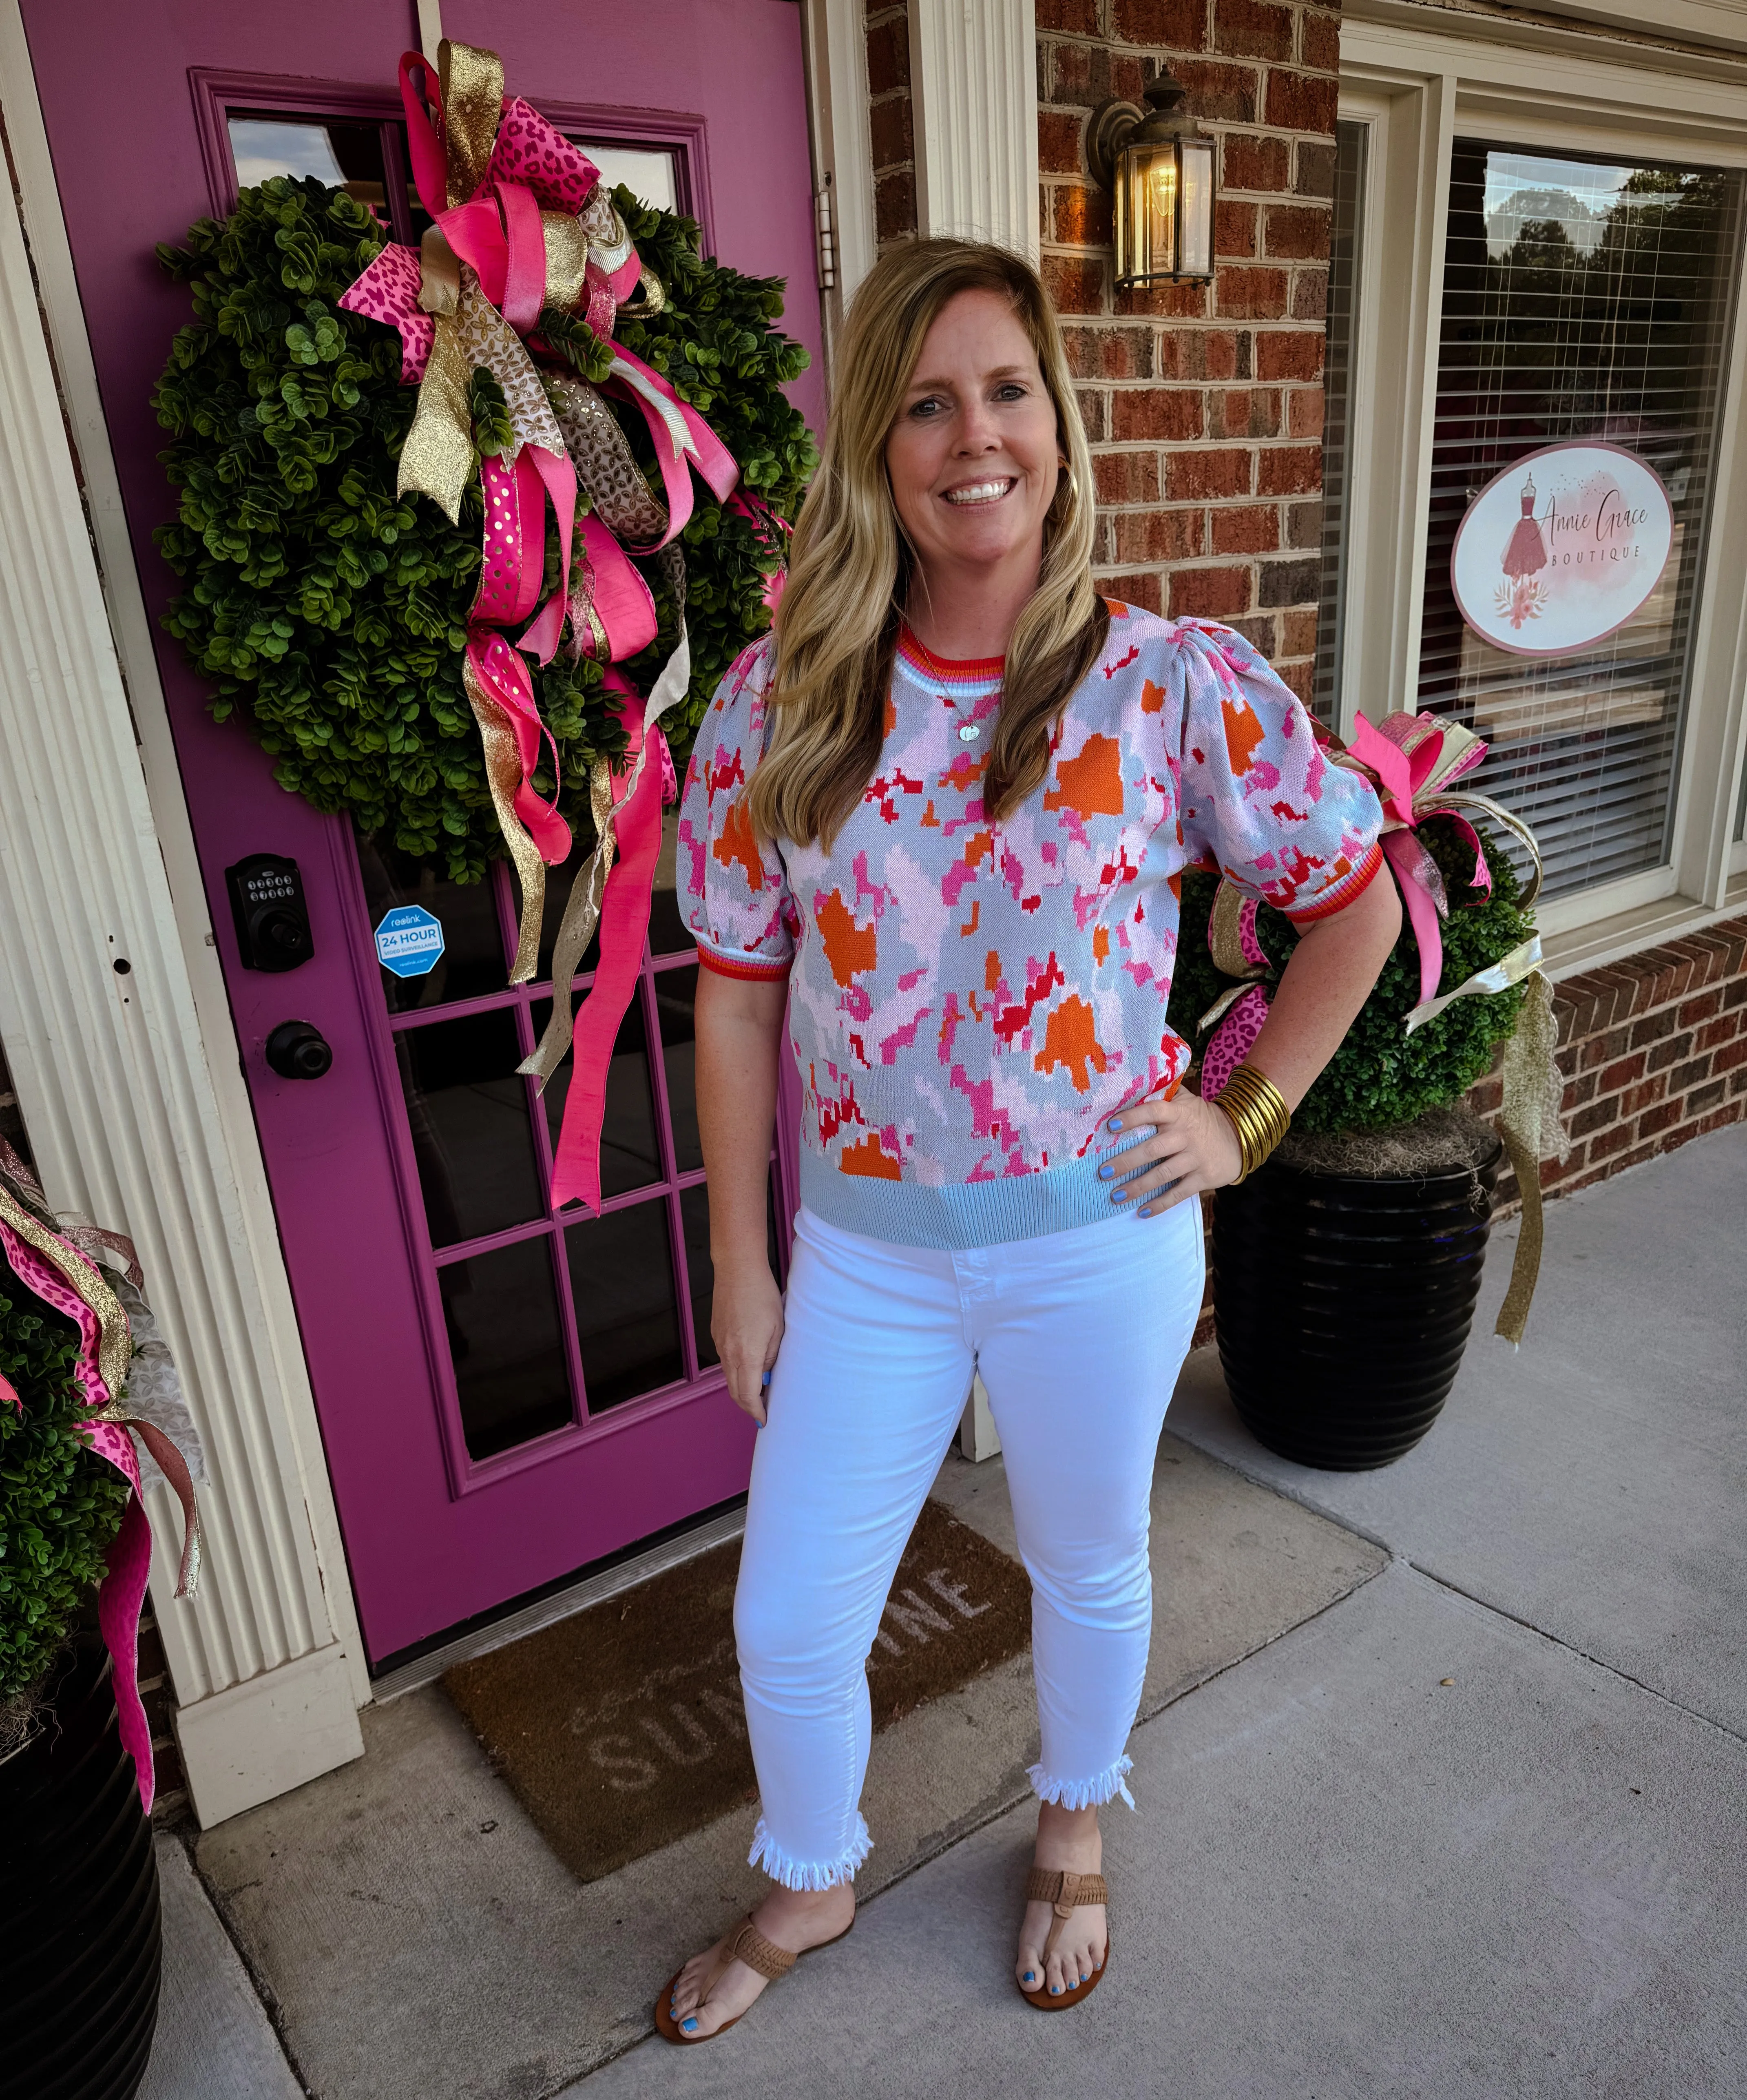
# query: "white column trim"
836,33
973,87
130,1085
430,17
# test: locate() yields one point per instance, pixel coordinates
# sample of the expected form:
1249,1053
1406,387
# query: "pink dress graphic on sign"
1521,598
1527,552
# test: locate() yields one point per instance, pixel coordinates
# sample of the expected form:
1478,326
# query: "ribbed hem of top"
963,1214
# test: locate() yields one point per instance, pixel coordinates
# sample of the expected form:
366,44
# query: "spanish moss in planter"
1346,1268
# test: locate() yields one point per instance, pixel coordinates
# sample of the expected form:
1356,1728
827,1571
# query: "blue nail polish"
1030,1976
686,2026
1114,1123
1054,1990
1106,1172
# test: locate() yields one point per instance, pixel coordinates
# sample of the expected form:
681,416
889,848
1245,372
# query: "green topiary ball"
60,1504
330,615
1380,1075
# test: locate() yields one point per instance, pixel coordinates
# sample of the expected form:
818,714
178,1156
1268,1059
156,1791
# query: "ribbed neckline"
950,670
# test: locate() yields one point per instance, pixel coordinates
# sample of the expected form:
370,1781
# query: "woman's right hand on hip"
746,1324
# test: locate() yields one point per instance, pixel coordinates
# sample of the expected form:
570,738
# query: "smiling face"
974,455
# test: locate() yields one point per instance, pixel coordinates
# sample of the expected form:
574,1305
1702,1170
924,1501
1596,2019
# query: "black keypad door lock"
272,920
298,1050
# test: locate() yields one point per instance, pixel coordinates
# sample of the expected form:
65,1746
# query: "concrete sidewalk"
1348,1878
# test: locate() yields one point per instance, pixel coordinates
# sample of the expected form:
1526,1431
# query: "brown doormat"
623,1728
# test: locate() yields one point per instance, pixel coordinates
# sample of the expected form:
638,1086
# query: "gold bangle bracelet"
1257,1112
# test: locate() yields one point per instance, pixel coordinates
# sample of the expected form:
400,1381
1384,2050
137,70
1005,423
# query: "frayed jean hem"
1083,1793
798,1874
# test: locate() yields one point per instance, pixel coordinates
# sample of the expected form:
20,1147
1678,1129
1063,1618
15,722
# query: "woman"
941,813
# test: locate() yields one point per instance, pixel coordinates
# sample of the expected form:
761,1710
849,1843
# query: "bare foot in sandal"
1068,1840
793,1919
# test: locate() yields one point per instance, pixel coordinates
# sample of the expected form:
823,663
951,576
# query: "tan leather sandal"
1066,1893
746,1944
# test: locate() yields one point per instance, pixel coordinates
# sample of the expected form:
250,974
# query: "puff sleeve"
734,889
1261,800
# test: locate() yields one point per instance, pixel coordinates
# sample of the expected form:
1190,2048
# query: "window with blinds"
1582,300
1350,141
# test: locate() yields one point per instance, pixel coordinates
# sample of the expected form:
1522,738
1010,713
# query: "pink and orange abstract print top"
970,1001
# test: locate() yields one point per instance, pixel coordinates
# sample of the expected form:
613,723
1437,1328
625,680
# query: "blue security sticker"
409,941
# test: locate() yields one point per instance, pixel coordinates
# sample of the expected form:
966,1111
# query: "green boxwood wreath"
60,1504
329,614
1380,1076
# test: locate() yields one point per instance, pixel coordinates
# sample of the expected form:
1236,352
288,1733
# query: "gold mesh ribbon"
503,772
1531,1121
1533,1129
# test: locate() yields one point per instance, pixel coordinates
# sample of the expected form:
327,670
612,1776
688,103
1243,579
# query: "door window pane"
621,1278
347,157
472,962
501,1312
630,1158
468,1113
1583,300
676,998
646,171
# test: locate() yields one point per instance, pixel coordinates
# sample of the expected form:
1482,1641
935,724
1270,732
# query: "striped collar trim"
960,677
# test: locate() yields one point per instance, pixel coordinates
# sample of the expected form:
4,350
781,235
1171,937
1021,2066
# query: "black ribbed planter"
79,1940
1342,1301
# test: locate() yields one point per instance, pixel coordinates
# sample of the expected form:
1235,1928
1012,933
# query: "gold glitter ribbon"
437,458
503,773
582,912
567,241
582,915
115,1347
472,84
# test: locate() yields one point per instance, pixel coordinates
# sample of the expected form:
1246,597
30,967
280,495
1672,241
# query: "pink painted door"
506,1395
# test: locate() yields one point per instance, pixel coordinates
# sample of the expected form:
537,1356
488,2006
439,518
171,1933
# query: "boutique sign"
1561,549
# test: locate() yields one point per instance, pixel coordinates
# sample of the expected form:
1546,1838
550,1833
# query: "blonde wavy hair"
837,625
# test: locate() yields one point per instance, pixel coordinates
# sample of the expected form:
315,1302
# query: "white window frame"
1417,86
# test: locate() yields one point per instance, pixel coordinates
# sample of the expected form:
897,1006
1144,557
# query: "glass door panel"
630,1318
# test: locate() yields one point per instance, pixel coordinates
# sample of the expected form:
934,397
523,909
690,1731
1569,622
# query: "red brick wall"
1203,403
1654,1052
894,158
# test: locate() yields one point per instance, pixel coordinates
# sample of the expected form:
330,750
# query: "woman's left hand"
1192,1147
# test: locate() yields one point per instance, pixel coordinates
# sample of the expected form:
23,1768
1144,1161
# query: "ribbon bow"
47,1264
1414,761
521,229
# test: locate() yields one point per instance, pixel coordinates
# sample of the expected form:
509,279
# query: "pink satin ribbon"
1400,769
624,925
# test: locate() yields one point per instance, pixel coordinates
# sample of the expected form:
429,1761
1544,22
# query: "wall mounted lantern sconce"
1159,166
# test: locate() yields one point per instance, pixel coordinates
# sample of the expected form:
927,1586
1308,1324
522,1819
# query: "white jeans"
1079,1336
